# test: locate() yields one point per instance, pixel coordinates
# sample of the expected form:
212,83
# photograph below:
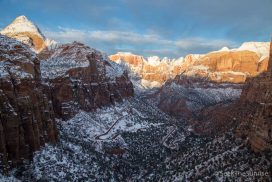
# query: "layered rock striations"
27,119
225,65
81,78
228,66
251,115
69,78
149,72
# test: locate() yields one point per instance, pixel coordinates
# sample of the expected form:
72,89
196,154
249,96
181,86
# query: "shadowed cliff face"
184,96
27,119
256,124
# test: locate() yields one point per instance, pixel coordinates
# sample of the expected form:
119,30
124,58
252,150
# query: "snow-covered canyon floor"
134,141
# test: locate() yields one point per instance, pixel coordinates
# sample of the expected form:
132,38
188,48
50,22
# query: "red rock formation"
83,78
232,66
228,66
252,113
79,78
131,59
256,103
27,119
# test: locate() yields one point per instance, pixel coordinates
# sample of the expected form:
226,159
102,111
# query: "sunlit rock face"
83,78
152,71
231,67
27,119
251,115
225,65
28,33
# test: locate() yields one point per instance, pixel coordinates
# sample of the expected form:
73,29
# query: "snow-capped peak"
154,60
260,48
21,24
224,49
25,31
21,18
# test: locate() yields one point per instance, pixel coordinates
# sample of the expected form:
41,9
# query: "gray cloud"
202,45
147,44
240,20
164,27
236,19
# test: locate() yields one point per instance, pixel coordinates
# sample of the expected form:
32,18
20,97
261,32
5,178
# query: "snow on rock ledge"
16,59
83,78
75,55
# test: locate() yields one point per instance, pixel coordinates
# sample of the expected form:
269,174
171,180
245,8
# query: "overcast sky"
170,28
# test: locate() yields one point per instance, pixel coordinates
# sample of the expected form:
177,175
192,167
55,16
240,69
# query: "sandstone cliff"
27,119
225,65
73,78
82,78
251,115
150,72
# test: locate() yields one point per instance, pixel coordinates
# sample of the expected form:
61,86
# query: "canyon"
250,114
70,112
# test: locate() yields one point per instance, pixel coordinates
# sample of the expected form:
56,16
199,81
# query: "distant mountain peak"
28,33
21,18
22,24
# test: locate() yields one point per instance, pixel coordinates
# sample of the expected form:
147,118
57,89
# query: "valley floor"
135,141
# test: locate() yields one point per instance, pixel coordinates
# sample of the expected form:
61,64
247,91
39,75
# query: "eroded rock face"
151,72
83,78
256,124
27,119
183,96
225,65
74,77
228,66
251,115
